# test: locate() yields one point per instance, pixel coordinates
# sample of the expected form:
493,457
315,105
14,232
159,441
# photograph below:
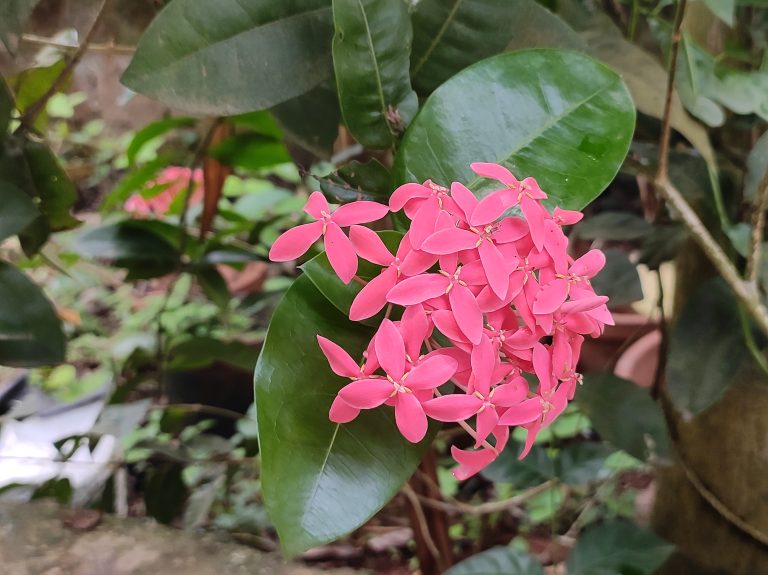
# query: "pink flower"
172,181
423,204
398,383
296,241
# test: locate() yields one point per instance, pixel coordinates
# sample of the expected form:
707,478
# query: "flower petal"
415,327
530,438
484,358
497,270
446,324
510,229
340,361
522,413
373,296
556,245
390,349
369,246
489,209
410,417
487,420
316,205
403,194
470,462
454,407
341,411
448,241
567,217
551,296
589,264
295,242
542,365
512,393
423,223
535,215
418,289
366,393
494,172
433,372
467,312
359,213
341,252
465,199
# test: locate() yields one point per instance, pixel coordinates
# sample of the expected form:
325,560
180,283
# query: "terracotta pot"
602,354
640,360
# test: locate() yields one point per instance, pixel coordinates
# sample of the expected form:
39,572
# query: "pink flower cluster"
172,181
487,298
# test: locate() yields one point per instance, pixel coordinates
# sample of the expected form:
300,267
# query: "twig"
658,376
110,47
491,506
743,290
28,119
422,520
758,232
667,118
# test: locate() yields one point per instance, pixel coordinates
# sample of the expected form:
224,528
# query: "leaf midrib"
546,126
375,61
437,39
176,61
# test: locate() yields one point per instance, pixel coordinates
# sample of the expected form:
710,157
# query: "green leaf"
371,46
613,226
250,151
214,286
641,71
13,17
498,561
619,279
617,548
30,330
358,181
560,117
706,348
449,35
133,245
152,131
723,9
757,167
134,181
575,464
200,352
229,57
537,27
320,480
6,107
311,120
624,415
31,84
17,210
341,295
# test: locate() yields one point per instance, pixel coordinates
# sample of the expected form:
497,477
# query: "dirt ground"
35,539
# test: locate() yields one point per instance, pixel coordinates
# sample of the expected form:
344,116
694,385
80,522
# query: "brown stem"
430,526
666,127
758,232
28,119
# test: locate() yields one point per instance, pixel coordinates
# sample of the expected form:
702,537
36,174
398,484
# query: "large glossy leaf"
498,561
450,35
371,46
706,348
619,279
537,27
30,330
232,56
320,480
17,210
641,71
311,120
624,415
618,548
559,116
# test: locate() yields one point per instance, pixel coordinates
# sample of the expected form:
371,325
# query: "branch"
28,119
758,231
491,506
743,290
109,47
666,127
